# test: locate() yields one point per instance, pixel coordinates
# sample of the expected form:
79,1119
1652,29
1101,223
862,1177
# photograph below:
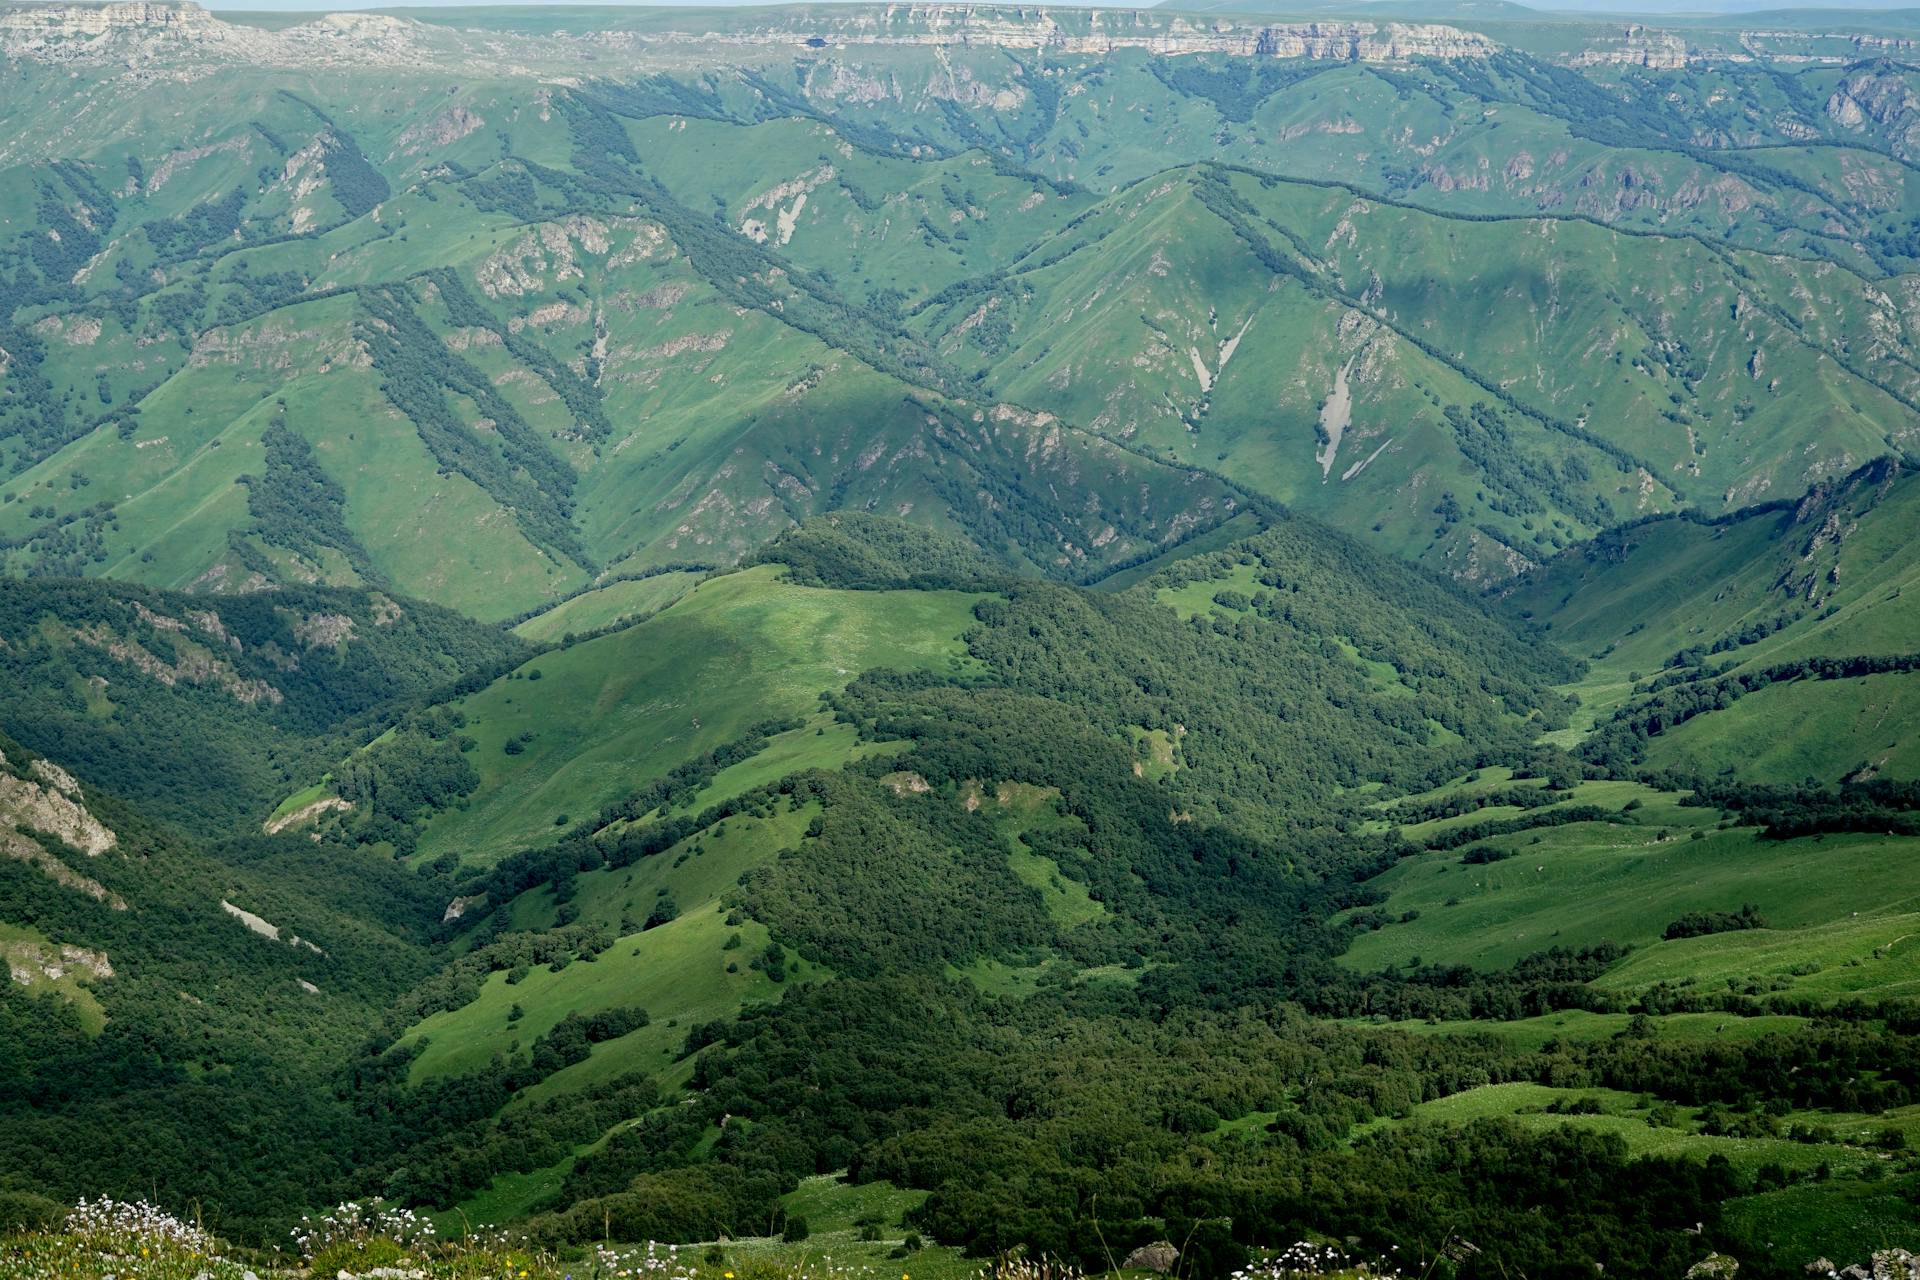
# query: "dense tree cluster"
150,694
408,773
297,505
418,372
1887,805
1697,924
863,552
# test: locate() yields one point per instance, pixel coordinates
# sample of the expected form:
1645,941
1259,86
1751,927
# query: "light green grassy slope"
606,606
1629,1117
1585,883
1824,575
1787,733
1840,910
607,715
682,972
1827,576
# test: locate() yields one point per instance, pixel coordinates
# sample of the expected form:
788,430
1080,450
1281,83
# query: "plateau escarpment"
169,36
164,31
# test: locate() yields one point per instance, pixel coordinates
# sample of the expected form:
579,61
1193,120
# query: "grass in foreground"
140,1242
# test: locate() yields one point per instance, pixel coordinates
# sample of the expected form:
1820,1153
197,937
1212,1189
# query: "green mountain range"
964,632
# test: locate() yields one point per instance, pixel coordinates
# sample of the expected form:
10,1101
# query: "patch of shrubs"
1697,924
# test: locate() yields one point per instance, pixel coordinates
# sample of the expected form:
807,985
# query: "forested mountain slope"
151,693
1031,630
185,1002
1322,635
1044,810
1073,305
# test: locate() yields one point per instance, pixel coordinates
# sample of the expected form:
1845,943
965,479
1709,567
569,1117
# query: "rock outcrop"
45,800
1638,47
1089,31
86,21
152,34
1158,1257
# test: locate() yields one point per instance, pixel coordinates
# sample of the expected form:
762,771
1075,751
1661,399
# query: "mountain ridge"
984,638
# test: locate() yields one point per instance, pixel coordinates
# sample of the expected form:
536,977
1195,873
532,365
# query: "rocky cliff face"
46,799
1882,97
145,37
177,39
1091,31
154,32
1637,46
83,21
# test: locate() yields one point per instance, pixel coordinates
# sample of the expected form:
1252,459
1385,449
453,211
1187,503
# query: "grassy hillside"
1286,334
660,320
1039,642
1820,574
689,970
620,601
511,443
573,730
1675,613
1626,879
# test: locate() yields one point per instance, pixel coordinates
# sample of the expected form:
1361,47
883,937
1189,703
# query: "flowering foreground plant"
115,1240
125,1240
358,1223
1304,1260
655,1262
111,1222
